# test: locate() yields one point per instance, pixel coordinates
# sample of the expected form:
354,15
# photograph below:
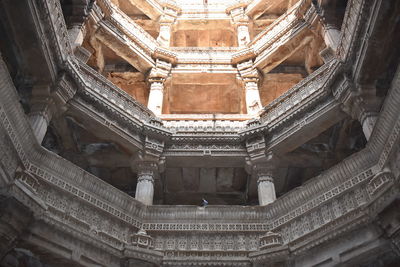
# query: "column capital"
160,72
265,165
237,13
248,72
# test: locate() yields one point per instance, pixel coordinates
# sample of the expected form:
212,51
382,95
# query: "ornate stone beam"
257,8
150,8
124,48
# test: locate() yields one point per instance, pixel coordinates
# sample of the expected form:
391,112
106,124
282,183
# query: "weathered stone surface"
336,190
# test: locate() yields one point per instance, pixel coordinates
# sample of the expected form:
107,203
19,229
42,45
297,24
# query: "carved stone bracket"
361,103
270,240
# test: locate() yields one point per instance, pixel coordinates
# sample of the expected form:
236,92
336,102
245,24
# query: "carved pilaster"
330,28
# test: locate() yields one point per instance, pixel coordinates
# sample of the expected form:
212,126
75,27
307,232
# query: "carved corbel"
360,102
270,240
142,239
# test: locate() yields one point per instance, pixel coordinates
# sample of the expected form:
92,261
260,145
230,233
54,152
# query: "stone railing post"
156,79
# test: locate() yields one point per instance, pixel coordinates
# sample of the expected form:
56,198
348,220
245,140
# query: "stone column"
156,97
365,109
164,36
76,35
266,187
250,78
331,35
241,20
145,184
330,23
42,109
156,78
368,120
243,34
166,22
39,123
253,101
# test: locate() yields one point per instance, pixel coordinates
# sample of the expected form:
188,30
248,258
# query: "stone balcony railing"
204,55
199,126
119,99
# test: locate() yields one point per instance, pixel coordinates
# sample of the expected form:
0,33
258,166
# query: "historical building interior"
199,133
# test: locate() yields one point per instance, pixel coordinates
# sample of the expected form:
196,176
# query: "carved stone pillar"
368,120
265,186
42,109
166,22
145,184
360,102
241,20
250,78
156,97
253,101
156,79
75,14
331,36
76,35
364,109
330,24
47,102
